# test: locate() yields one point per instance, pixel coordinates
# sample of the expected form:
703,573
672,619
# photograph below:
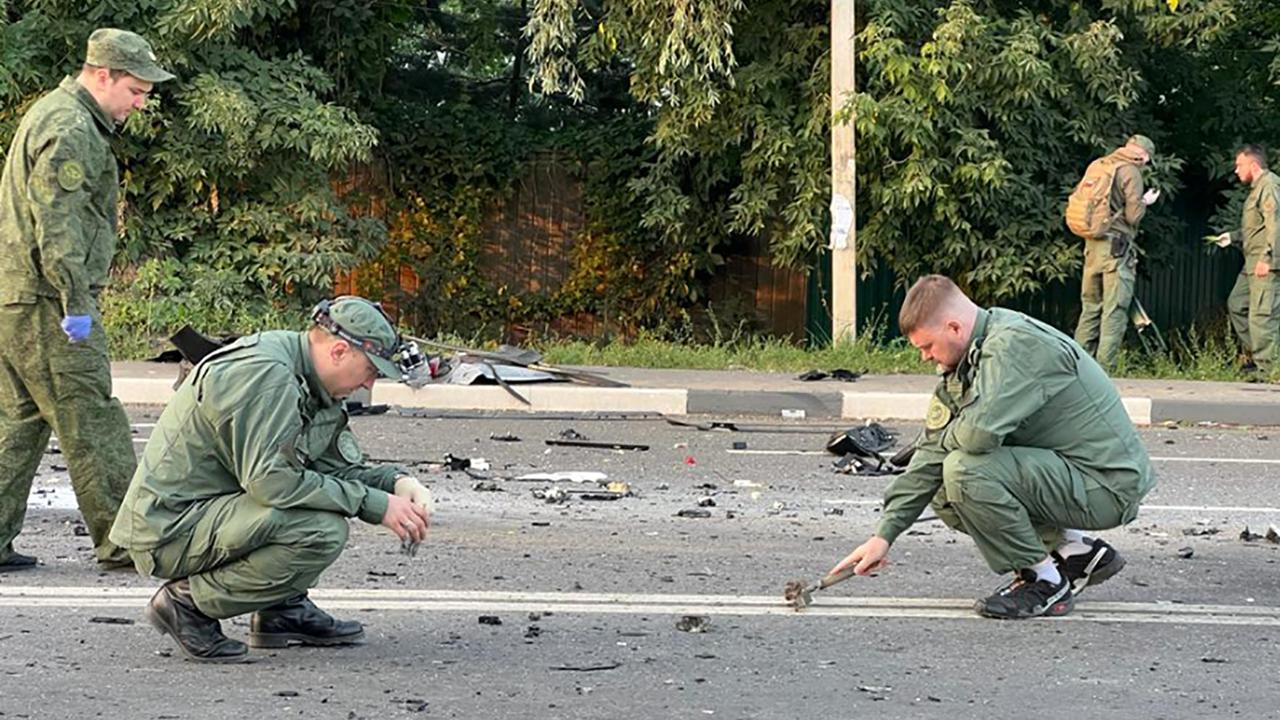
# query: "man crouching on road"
242,495
1026,444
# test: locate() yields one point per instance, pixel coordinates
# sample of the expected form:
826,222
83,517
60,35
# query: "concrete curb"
849,404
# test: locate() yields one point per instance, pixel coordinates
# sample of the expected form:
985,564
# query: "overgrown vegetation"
692,126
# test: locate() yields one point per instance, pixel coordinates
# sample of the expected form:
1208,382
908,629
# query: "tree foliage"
226,170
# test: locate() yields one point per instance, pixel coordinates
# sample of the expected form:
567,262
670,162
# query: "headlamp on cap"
416,369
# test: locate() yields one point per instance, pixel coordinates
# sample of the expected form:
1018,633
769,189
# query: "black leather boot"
17,561
297,621
173,612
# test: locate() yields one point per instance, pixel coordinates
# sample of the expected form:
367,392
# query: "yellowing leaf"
1173,5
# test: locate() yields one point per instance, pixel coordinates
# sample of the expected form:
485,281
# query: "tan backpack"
1089,206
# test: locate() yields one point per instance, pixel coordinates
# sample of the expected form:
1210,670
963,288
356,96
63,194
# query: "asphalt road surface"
592,596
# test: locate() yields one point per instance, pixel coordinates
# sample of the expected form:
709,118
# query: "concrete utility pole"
844,266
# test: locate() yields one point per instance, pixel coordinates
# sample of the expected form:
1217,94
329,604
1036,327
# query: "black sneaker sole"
163,628
284,640
1101,573
1054,609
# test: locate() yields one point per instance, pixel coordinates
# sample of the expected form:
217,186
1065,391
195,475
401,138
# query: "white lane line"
1170,459
1212,508
643,604
1230,461
732,451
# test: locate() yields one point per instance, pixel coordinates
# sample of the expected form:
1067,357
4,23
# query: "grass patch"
765,354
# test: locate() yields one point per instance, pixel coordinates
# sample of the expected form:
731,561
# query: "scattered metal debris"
487,486
552,495
505,437
586,668
1186,552
838,374
109,620
693,624
489,620
690,513
598,444
706,501
1201,531
356,408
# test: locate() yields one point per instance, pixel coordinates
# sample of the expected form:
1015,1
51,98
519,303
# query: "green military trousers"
1254,308
242,556
1015,501
47,382
1106,291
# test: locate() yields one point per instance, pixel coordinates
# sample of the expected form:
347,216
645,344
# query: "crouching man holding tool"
242,495
1026,444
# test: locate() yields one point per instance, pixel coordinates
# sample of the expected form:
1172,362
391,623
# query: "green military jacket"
250,418
1126,193
58,202
1259,233
1021,383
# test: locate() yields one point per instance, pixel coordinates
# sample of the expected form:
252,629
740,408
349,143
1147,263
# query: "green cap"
1143,142
366,327
122,50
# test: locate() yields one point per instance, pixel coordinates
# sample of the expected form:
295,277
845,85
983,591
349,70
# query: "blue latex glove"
77,327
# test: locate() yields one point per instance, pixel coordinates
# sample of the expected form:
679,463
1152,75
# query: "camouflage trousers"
241,556
48,383
1016,501
1106,291
1254,309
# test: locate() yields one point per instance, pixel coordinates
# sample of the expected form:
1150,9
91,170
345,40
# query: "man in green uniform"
1110,261
57,238
1252,304
1026,443
242,495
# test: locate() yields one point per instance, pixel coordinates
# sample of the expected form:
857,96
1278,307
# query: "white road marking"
1212,508
732,451
1230,461
648,604
1209,460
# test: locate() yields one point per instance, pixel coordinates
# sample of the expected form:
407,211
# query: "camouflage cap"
369,326
1143,142
122,50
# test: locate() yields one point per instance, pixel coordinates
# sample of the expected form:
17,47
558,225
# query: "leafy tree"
226,170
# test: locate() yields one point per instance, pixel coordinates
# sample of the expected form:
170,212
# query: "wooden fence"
527,241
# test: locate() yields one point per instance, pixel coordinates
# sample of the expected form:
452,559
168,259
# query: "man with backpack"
1105,209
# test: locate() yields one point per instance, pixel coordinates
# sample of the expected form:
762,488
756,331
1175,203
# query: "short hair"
1257,152
929,295
115,74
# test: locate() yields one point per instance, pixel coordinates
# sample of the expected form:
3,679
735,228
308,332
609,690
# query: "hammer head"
797,594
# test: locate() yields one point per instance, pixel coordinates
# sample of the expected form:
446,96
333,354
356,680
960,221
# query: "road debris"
487,486
489,620
1186,552
1201,531
840,374
109,620
691,513
505,437
585,668
598,444
693,624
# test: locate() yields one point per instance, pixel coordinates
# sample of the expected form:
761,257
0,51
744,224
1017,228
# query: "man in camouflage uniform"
243,492
1106,289
1026,443
57,237
1253,305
